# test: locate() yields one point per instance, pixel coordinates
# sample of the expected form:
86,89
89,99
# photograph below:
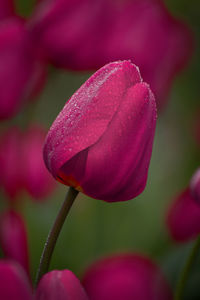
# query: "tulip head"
183,218
195,186
101,142
62,285
127,276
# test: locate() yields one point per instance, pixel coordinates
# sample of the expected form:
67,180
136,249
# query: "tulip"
6,9
183,218
85,35
14,283
22,72
127,276
37,180
195,185
10,163
60,285
13,238
101,142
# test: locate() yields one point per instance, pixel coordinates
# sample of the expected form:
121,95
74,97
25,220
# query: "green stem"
54,233
186,270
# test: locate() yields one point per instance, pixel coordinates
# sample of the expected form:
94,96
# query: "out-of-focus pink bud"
183,219
6,9
37,180
60,285
22,72
10,162
195,186
13,238
101,142
14,284
127,276
87,34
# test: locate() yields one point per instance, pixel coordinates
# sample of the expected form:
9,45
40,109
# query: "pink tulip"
37,180
22,72
195,185
10,162
13,238
87,34
183,219
60,285
14,284
127,276
6,9
101,142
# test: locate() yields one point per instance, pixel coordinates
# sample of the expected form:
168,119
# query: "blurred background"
96,228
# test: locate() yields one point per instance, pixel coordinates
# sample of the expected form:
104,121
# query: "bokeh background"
96,228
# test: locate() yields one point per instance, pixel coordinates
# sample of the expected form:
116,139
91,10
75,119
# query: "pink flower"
195,185
22,72
101,142
61,285
21,163
6,9
13,238
37,180
87,34
127,276
183,219
14,283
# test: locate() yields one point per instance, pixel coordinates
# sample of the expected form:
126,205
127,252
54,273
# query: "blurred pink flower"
55,285
10,162
6,9
37,180
13,238
126,277
101,142
22,72
22,165
87,34
14,283
195,186
183,218
60,285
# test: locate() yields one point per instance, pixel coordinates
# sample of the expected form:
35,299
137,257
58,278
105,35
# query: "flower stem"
186,270
54,233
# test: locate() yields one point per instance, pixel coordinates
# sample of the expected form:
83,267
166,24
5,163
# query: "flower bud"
101,142
62,285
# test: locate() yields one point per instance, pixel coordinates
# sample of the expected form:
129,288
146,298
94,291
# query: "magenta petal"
183,219
195,186
6,9
60,285
127,276
22,71
10,162
13,238
37,179
14,284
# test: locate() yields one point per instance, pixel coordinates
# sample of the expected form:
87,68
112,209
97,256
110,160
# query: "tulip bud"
37,180
62,285
101,142
127,276
183,218
14,284
22,72
13,238
195,186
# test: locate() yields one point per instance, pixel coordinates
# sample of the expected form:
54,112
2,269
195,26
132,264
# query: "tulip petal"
60,285
195,186
86,115
13,238
183,219
13,282
127,276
